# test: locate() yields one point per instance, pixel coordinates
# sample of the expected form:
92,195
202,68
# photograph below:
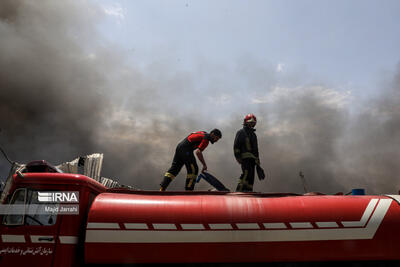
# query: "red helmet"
250,118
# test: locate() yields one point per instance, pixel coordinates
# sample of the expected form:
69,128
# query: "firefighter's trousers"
246,179
183,156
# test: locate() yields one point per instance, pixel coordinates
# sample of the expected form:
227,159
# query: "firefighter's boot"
190,182
244,187
168,177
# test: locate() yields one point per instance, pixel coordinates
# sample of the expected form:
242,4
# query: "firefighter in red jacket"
197,142
246,153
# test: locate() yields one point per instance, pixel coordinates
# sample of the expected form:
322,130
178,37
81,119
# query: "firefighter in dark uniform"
246,153
197,142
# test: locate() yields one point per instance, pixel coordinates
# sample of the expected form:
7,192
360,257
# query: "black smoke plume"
65,91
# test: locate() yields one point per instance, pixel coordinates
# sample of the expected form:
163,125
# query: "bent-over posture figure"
197,141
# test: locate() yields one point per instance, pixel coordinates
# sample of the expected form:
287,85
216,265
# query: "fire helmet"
250,118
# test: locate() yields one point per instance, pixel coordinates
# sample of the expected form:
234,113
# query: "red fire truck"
123,226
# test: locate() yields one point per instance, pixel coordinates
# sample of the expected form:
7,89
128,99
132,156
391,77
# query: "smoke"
51,90
65,91
371,150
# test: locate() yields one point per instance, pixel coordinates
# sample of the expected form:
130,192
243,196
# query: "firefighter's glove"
260,172
204,169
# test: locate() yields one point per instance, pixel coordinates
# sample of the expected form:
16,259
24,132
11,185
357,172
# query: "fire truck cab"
46,239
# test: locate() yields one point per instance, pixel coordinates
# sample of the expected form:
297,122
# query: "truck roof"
114,206
206,227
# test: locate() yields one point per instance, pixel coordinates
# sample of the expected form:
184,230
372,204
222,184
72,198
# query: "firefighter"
246,153
197,142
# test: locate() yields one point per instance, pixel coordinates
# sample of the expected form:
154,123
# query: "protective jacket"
245,145
195,140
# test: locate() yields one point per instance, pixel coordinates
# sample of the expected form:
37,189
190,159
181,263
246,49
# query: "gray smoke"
65,91
51,90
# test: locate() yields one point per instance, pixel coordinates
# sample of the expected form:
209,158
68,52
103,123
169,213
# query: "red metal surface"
207,227
67,232
126,226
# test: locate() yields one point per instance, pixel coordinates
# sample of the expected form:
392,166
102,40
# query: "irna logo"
59,197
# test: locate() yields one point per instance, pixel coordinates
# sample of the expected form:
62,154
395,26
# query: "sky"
131,79
344,43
